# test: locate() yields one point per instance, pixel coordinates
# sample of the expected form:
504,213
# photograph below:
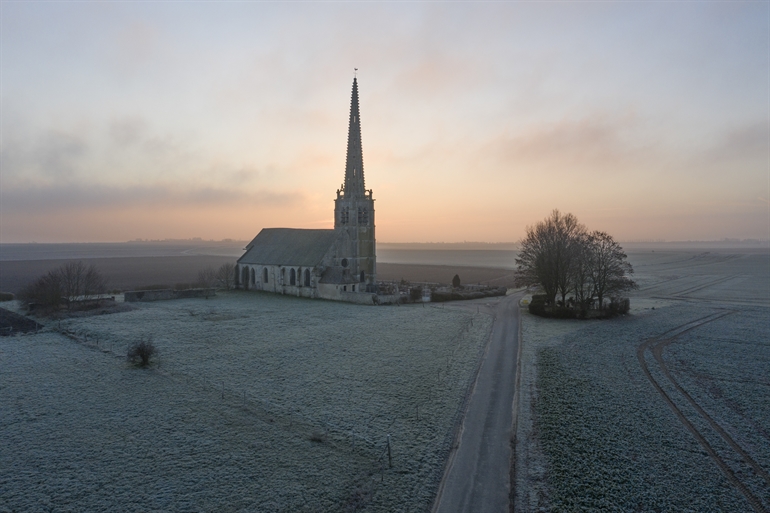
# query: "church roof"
288,246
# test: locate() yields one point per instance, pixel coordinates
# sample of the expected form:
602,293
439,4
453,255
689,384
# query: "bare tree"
560,256
94,283
548,254
580,273
226,275
69,282
80,281
46,291
207,277
609,268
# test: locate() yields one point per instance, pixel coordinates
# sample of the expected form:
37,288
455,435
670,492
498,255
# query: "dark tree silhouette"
563,259
69,282
456,281
609,267
226,276
548,253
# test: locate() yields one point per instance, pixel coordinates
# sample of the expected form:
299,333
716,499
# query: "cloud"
52,155
127,131
60,199
597,143
747,142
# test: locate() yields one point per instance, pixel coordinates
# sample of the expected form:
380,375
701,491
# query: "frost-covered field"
257,403
594,433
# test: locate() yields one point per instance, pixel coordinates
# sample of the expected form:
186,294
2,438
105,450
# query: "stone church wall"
278,280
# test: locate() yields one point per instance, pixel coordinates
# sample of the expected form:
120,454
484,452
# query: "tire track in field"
690,288
716,260
657,352
696,288
656,346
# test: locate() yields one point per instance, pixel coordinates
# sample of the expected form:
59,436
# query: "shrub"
6,296
207,278
619,305
318,437
415,294
537,305
456,281
141,352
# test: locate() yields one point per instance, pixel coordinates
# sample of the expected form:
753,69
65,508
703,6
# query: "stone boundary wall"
134,296
387,299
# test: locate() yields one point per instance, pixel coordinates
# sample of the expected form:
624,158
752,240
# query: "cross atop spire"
354,165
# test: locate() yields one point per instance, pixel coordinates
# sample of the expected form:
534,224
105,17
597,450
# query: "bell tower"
354,209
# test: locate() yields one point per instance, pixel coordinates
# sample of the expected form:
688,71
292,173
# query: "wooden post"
390,459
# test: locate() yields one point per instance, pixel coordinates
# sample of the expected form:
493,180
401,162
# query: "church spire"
354,165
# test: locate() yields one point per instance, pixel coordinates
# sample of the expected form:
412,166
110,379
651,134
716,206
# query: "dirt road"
478,475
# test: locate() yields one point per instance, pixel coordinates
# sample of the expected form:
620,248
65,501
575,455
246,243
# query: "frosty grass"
608,442
256,402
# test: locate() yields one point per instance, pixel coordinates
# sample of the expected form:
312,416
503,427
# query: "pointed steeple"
354,165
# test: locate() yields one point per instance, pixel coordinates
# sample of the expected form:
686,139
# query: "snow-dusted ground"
229,417
595,434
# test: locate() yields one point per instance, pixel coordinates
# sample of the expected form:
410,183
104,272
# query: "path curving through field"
656,346
477,477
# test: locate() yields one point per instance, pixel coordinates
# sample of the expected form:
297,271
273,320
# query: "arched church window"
307,277
365,216
264,274
253,277
363,276
283,276
245,277
293,277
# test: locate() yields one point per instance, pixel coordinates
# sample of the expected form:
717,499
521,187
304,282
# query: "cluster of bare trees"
565,260
224,277
66,284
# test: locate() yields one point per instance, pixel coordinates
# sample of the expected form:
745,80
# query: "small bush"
141,352
6,296
620,306
207,278
318,437
456,281
537,305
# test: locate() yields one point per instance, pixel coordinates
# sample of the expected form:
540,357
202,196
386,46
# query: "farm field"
665,409
255,403
131,272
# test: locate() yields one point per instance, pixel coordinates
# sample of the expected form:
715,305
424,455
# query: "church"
338,264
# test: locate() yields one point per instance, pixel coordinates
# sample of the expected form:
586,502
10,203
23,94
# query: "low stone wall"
387,299
134,296
459,295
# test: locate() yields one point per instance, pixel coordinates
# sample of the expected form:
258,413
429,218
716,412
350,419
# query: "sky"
155,120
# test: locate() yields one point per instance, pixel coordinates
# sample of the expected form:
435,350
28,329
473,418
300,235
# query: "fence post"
390,460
